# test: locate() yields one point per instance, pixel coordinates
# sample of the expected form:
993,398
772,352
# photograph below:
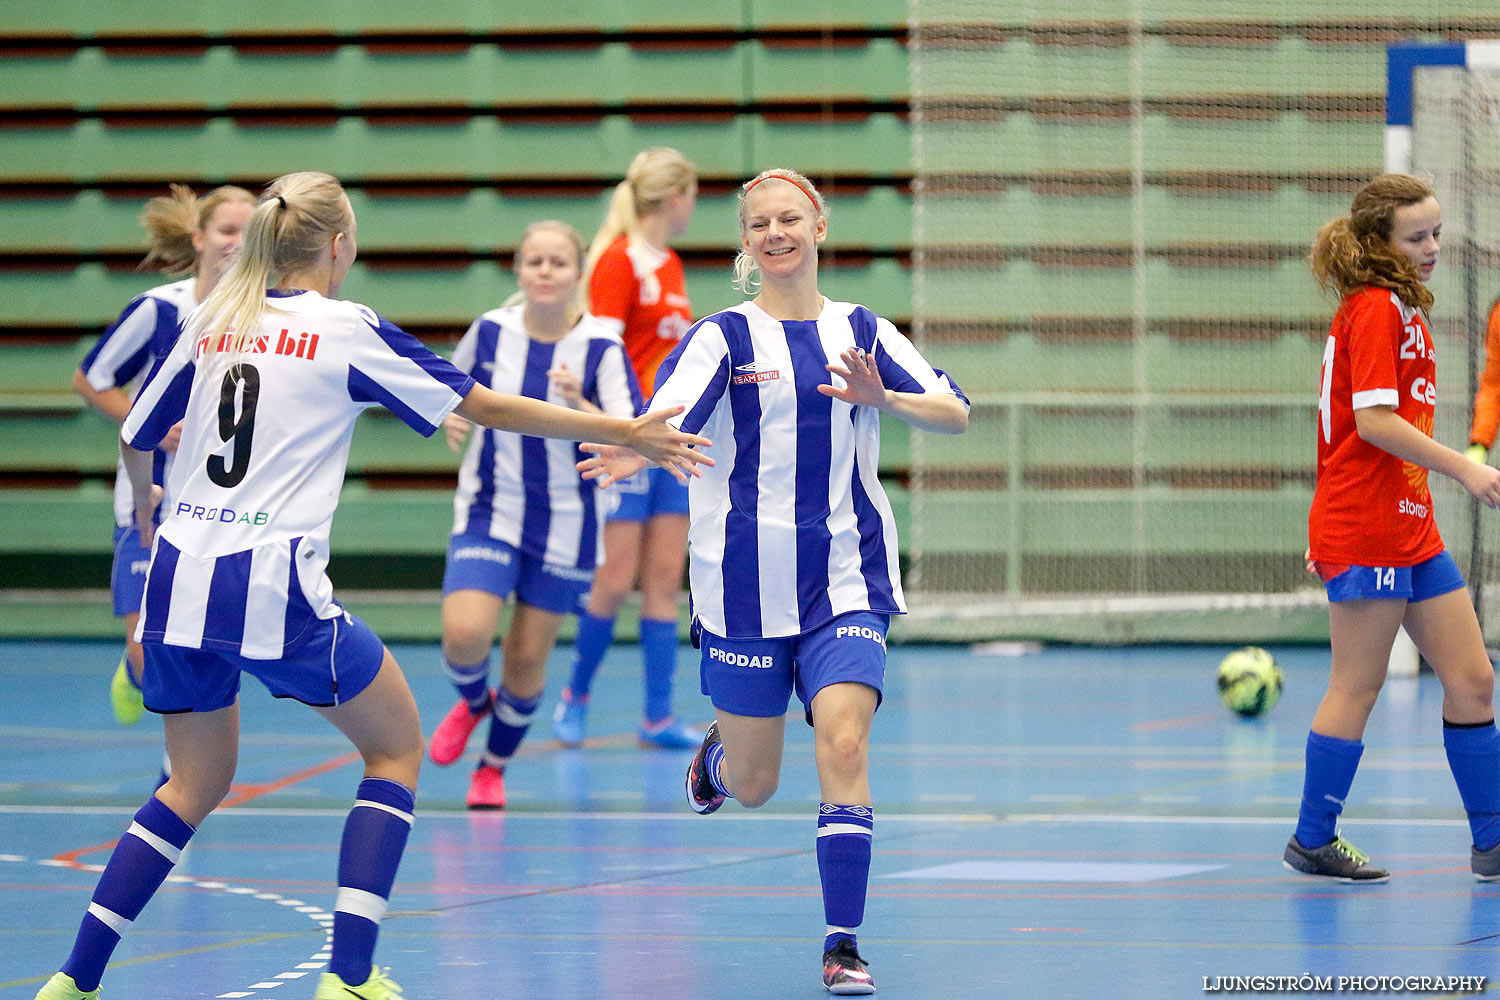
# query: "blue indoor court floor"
1069,822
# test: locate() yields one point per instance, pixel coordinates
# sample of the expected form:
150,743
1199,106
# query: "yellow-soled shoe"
62,987
377,987
124,697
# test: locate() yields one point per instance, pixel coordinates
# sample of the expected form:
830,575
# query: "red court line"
1180,722
238,795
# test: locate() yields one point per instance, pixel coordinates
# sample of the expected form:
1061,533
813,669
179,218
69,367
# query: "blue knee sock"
659,650
1331,763
844,835
472,681
1474,757
594,636
374,839
510,718
140,863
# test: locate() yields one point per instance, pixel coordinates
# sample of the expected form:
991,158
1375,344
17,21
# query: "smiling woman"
792,544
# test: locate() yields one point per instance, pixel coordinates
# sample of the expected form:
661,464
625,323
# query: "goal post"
1443,122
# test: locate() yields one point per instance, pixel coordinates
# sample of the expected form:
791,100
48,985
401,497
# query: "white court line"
569,817
1215,820
316,914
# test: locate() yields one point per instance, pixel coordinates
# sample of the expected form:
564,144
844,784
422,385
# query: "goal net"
1453,92
1111,219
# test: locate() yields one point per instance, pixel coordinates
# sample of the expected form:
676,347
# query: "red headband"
778,177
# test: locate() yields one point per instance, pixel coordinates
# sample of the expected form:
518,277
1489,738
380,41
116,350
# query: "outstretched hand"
863,385
651,439
610,463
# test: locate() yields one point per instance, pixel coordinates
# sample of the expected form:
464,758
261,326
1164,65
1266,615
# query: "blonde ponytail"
171,220
293,220
654,175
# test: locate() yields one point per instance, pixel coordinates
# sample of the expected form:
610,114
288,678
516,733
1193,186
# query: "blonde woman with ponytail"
637,286
1373,539
792,550
267,380
186,235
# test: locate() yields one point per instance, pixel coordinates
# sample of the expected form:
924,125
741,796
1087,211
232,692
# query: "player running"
267,382
187,235
524,523
792,548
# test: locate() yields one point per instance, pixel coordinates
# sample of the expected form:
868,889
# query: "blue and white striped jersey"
239,560
791,527
524,490
122,356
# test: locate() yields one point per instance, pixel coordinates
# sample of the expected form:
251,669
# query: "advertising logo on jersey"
287,344
755,371
222,515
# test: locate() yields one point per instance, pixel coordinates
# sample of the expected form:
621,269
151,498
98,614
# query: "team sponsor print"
1410,507
859,632
139,567
483,552
753,372
286,343
724,656
221,515
572,573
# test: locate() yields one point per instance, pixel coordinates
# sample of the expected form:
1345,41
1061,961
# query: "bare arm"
111,403
147,495
936,412
114,404
650,434
1382,427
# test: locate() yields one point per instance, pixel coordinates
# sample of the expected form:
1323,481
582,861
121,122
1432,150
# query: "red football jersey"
644,289
1371,508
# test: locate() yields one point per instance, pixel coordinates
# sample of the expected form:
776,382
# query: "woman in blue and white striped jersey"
792,545
267,383
524,522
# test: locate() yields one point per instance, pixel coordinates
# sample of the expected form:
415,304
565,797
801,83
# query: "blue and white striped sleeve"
616,391
903,368
695,375
390,367
467,352
163,400
124,348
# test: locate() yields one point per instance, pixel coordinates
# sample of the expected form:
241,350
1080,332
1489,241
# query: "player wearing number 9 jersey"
1372,536
267,385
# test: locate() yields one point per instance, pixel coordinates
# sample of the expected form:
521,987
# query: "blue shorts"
756,677
127,578
1433,578
479,562
650,492
331,662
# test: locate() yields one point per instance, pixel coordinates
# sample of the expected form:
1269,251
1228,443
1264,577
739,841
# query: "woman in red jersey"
636,285
1374,541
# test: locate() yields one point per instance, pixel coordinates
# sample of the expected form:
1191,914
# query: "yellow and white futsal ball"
1249,681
